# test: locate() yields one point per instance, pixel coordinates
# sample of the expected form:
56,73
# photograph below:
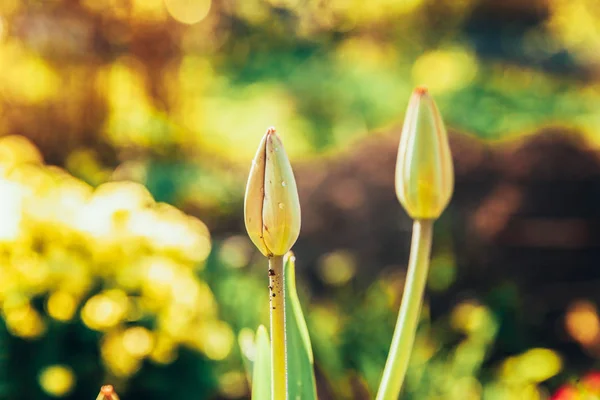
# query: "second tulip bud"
424,170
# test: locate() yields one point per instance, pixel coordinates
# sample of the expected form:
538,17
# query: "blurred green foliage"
326,72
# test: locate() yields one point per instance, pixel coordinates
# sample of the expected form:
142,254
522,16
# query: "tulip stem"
278,345
410,309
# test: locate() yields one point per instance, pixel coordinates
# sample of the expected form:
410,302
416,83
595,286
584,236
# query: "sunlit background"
127,129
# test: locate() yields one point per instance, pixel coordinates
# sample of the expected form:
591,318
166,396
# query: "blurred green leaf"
300,371
247,343
261,381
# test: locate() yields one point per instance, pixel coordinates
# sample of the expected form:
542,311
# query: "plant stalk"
278,344
410,310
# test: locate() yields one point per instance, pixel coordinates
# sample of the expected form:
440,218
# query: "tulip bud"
271,204
424,170
107,393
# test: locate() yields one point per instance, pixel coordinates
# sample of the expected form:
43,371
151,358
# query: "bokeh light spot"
16,150
57,380
138,341
188,11
533,366
582,322
443,272
468,316
105,310
116,357
164,351
217,340
246,343
233,384
337,268
149,10
61,306
445,70
24,321
236,251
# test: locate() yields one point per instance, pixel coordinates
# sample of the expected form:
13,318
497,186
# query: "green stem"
410,309
278,349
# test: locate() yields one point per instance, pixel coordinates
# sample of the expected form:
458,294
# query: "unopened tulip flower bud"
107,392
271,204
424,170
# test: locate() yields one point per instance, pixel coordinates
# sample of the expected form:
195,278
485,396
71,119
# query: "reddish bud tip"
107,390
421,90
271,130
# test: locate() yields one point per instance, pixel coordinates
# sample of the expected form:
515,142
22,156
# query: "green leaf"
261,375
300,372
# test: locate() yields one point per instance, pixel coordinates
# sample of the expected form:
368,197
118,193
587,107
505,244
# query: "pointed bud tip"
107,392
421,90
271,130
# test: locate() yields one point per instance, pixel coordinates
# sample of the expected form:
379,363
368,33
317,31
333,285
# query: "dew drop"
283,184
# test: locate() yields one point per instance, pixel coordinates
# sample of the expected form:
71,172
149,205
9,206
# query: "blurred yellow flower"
62,240
57,380
165,350
138,341
24,321
116,357
105,310
16,150
533,366
11,200
216,340
61,305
